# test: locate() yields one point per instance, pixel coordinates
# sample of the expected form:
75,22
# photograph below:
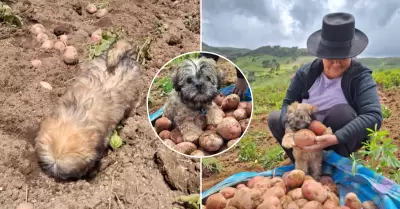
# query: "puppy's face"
299,115
197,80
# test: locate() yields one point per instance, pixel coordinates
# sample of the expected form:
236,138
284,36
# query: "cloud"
251,24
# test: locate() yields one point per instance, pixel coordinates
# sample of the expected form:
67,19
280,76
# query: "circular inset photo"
200,104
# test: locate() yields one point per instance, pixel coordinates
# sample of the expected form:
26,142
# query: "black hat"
338,38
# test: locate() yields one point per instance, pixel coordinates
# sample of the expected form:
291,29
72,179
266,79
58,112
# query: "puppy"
73,138
300,116
196,83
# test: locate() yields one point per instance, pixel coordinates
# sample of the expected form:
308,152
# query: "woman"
342,88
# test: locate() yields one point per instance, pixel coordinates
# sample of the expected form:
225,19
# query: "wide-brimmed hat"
338,38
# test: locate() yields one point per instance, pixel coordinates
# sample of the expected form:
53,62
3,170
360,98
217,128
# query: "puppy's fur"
73,138
300,116
196,83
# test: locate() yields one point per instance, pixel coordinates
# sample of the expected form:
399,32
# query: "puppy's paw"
328,131
287,141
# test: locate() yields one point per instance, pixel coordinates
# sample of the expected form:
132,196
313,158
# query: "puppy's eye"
208,78
189,80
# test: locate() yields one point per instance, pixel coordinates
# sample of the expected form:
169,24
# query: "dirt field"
231,165
143,173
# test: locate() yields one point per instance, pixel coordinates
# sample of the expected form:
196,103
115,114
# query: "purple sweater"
324,94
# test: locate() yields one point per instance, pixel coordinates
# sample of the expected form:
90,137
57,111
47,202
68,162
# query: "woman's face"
334,68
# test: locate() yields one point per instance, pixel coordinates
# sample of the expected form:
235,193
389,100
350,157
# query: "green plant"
385,111
271,157
108,38
190,201
248,149
377,154
166,84
102,5
211,164
7,16
115,140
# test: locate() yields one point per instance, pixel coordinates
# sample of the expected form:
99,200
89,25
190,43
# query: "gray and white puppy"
196,83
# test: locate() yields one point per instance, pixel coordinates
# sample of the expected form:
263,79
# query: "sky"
255,23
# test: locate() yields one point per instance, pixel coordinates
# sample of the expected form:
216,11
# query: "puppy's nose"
198,85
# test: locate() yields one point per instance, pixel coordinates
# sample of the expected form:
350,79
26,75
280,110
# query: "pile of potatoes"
294,190
221,130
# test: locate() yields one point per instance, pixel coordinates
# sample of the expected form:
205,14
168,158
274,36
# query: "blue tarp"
366,184
226,91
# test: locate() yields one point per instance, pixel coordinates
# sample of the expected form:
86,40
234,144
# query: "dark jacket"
360,91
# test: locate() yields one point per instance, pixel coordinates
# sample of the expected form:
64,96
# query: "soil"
141,174
231,165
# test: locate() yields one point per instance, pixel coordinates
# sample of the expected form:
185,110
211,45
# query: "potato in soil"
216,201
210,141
230,102
162,124
229,128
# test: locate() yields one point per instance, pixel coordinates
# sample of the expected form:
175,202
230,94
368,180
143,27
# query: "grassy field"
269,89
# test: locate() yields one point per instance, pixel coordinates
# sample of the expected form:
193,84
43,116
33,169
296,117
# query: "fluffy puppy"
73,138
300,116
196,83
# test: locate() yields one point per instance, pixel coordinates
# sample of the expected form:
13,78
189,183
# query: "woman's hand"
321,142
240,87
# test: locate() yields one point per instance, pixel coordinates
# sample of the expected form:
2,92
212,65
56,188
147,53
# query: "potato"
254,180
317,127
301,202
185,147
228,192
342,207
313,190
333,197
37,28
216,201
230,114
308,177
219,98
165,134
278,182
294,179
96,35
369,205
285,200
304,137
231,102
214,115
47,45
274,191
263,185
70,55
239,186
292,205
270,202
162,124
246,198
231,142
244,123
198,153
329,204
60,46
101,12
351,200
91,8
240,114
295,194
169,143
41,37
176,136
242,105
313,205
64,39
210,141
36,63
229,128
333,188
249,109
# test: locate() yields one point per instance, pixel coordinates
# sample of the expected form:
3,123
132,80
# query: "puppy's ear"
175,81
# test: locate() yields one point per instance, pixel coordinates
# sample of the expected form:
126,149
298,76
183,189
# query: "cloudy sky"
255,23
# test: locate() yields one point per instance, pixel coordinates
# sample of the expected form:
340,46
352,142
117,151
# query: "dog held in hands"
73,138
196,83
299,116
